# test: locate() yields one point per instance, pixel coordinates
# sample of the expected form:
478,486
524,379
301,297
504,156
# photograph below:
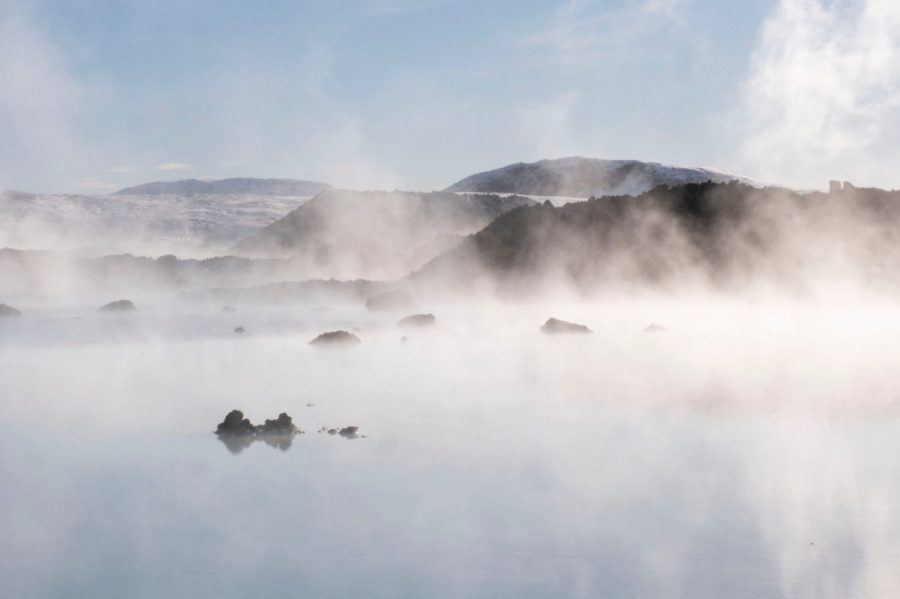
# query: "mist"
416,298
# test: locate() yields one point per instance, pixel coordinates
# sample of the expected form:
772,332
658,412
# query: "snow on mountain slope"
577,177
152,225
240,185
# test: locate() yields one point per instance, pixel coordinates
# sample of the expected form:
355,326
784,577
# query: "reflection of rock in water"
237,443
123,305
555,326
238,433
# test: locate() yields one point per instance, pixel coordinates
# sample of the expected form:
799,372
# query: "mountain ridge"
234,185
580,177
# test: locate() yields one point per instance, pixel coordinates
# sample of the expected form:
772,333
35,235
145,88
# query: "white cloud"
824,91
174,166
585,32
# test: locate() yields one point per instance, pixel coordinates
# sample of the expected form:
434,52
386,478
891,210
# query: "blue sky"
416,94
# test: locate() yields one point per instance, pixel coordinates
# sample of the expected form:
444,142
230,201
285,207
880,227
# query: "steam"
824,91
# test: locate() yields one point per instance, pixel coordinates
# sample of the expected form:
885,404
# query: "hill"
375,234
577,177
243,186
722,235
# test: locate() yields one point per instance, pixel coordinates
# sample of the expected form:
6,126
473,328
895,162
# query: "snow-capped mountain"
188,225
577,177
242,186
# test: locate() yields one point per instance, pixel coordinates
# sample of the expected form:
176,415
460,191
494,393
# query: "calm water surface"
738,454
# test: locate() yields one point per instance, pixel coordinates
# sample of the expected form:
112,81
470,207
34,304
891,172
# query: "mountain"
187,225
723,235
375,234
585,177
241,186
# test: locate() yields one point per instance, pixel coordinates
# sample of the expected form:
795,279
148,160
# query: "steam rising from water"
740,453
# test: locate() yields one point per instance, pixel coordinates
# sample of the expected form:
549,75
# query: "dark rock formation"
8,311
280,426
235,424
335,338
349,432
123,305
418,320
390,301
555,326
238,433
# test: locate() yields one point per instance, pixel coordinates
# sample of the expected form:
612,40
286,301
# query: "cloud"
823,91
583,32
174,166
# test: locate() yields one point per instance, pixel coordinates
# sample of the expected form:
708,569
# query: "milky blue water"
738,454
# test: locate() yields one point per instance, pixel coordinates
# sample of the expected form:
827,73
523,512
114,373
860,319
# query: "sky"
96,95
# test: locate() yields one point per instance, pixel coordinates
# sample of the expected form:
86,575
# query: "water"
745,452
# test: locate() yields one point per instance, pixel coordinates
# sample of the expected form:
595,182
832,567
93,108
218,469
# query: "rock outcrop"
122,305
335,338
238,433
8,311
554,326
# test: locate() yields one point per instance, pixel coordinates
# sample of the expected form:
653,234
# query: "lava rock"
554,326
335,338
8,311
123,305
418,320
349,432
235,424
283,425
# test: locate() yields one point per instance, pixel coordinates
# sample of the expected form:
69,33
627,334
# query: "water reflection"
238,443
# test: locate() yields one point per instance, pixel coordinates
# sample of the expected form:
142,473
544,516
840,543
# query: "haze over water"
738,453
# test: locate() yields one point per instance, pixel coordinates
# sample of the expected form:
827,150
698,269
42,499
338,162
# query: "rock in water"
349,432
239,330
8,311
235,424
655,328
389,301
119,306
283,425
335,338
555,326
418,320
